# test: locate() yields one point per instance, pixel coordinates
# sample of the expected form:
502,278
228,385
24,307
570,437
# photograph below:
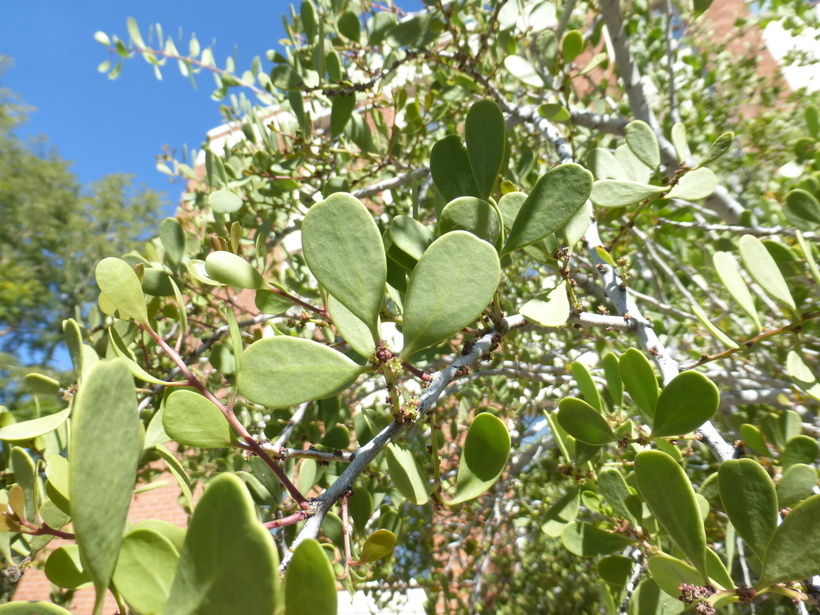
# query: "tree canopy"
515,302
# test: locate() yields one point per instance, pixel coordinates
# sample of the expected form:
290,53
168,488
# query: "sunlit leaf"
686,402
145,570
586,540
473,215
617,193
695,185
191,419
121,286
551,310
310,584
749,498
729,274
639,380
793,553
406,475
228,268
451,170
642,141
584,423
378,545
485,134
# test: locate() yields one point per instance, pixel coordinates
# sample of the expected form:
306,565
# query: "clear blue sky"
106,126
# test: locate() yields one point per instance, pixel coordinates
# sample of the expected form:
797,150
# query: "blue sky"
106,126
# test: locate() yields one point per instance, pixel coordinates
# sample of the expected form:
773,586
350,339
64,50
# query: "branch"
362,457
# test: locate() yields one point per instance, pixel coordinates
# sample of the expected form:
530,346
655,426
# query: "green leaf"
64,568
749,498
32,608
343,248
642,141
679,141
572,45
308,15
554,112
800,449
806,249
134,32
617,193
613,487
634,169
615,569
604,165
521,69
718,148
121,350
353,330
145,570
378,545
583,422
35,427
269,302
225,201
485,133
228,268
406,475
729,274
753,437
586,540
799,372
614,384
793,553
813,120
120,284
797,483
25,475
550,310
74,342
639,380
563,511
349,26
192,420
695,185
408,31
649,599
410,236
670,572
483,457
686,403
470,214
340,113
284,371
310,584
228,563
764,270
803,205
701,6
450,286
285,78
451,170
105,450
719,334
586,385
41,384
666,489
557,195
594,63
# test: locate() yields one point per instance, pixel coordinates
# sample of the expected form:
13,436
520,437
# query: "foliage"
380,328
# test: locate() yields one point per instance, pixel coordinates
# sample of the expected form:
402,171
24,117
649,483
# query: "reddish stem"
234,422
289,520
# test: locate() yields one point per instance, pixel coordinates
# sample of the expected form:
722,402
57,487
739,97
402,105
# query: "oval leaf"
695,185
406,475
470,214
793,553
343,248
670,572
686,403
666,489
639,380
750,500
122,287
550,311
803,205
617,193
378,545
485,133
173,239
410,236
584,423
145,570
483,457
642,141
353,330
729,274
225,201
284,371
557,195
192,420
36,427
451,170
32,608
764,269
450,286
105,450
604,165
797,484
64,568
228,563
228,268
587,540
310,584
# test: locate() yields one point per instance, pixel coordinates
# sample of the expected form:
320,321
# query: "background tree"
54,232
518,276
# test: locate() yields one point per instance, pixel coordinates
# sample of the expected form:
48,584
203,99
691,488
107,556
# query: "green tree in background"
515,302
54,231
